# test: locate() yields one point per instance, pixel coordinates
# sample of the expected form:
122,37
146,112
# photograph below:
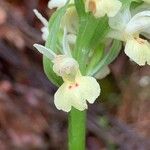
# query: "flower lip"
77,94
138,50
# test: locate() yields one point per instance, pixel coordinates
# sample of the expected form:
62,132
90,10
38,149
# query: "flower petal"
45,51
116,34
120,21
111,7
138,50
102,7
67,96
89,88
56,3
61,99
138,23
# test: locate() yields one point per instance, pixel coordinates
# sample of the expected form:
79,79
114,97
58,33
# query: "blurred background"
120,119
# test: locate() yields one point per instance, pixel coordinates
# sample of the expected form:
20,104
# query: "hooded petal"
89,88
66,67
138,23
69,95
138,50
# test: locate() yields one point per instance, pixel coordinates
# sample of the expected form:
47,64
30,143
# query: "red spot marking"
76,85
70,87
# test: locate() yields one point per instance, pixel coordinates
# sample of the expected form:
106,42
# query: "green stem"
76,132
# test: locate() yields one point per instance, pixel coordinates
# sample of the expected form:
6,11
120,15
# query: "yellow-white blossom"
76,89
136,48
58,3
100,8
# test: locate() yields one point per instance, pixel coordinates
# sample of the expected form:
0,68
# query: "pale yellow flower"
76,89
137,48
128,30
100,8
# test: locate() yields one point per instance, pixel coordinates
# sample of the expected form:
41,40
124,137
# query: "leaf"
80,8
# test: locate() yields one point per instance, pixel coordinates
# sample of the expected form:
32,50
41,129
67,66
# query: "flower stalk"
77,130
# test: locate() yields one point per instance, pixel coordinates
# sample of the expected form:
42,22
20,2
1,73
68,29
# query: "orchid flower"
100,8
58,3
44,29
128,30
76,89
